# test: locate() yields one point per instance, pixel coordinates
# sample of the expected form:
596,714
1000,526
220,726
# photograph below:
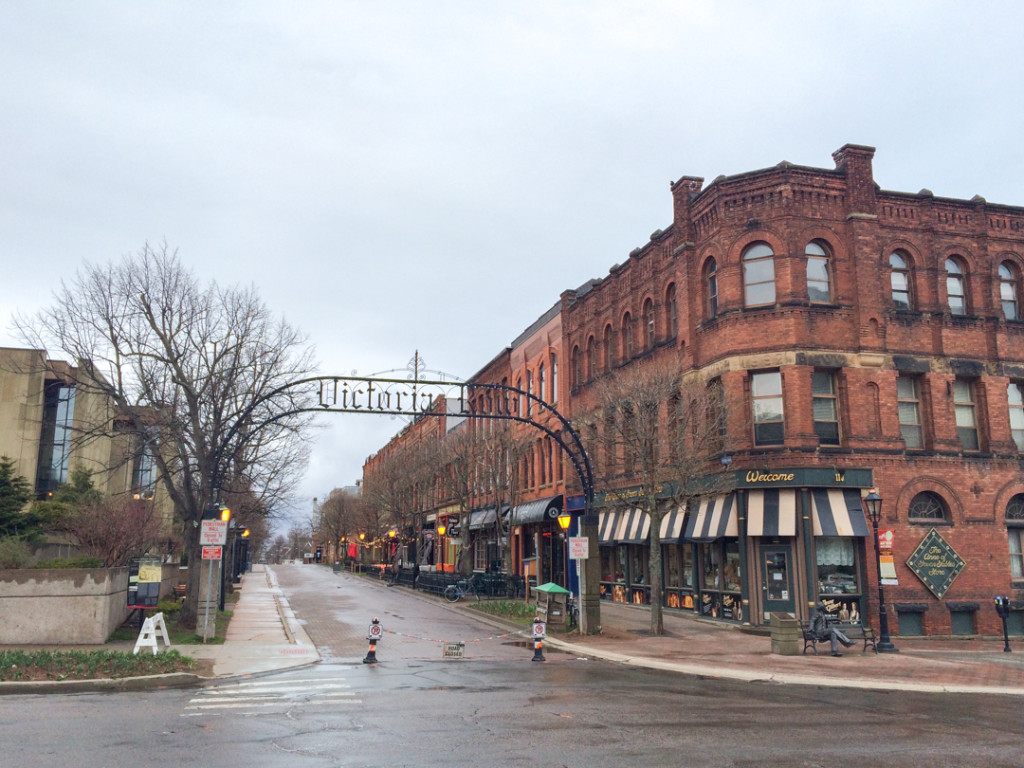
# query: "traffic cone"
371,655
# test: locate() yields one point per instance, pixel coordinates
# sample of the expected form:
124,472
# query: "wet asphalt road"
493,708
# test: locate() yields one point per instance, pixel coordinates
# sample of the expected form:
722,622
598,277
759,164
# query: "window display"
733,576
837,569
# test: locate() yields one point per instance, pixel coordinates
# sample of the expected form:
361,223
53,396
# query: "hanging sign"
936,563
885,541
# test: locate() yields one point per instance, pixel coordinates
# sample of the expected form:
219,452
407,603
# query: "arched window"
956,286
928,507
529,391
819,283
1015,533
758,275
609,349
711,288
649,325
899,279
672,313
540,383
627,337
591,354
1009,292
577,367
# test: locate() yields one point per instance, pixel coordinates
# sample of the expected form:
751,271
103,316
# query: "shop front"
779,542
538,542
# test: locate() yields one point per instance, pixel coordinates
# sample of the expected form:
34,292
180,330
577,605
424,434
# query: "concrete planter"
72,606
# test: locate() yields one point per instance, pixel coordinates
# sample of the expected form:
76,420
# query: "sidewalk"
697,646
263,634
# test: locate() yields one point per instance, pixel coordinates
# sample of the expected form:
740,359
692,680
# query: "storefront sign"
803,476
935,563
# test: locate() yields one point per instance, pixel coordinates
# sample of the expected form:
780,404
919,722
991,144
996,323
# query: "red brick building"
863,338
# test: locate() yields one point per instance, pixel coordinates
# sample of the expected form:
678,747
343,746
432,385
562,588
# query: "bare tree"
342,516
657,429
505,463
201,372
459,469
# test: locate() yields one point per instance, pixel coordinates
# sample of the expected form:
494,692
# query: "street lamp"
564,521
873,505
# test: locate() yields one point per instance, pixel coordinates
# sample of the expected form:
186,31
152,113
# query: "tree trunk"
657,589
190,608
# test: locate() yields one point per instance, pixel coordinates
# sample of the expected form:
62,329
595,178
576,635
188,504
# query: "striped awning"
771,512
838,512
672,526
634,528
607,526
715,518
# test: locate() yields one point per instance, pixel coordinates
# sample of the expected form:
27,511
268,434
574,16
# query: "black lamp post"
873,504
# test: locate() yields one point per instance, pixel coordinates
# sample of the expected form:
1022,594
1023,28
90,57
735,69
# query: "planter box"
61,606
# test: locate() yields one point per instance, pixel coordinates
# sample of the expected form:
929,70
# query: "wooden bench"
853,630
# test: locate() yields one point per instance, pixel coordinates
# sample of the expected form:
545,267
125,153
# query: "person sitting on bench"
823,630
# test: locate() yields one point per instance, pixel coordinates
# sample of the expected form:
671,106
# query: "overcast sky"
402,176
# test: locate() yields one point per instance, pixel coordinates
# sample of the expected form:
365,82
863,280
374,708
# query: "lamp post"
873,504
564,521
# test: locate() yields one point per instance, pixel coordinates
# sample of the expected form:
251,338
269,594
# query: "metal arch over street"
418,397
348,394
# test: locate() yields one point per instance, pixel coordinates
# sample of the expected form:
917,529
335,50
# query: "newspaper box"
551,600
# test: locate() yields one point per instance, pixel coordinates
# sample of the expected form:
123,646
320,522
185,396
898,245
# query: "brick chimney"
854,162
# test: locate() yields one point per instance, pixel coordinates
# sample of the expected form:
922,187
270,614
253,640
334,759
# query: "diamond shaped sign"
936,563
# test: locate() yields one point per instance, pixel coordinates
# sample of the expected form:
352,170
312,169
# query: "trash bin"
551,600
786,635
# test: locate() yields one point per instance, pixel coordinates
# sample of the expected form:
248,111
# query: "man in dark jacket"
823,630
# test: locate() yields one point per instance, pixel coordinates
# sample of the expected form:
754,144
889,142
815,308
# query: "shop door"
777,580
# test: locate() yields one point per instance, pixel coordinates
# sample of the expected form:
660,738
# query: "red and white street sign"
579,548
213,533
212,553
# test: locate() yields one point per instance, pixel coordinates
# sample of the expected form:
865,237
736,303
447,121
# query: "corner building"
862,339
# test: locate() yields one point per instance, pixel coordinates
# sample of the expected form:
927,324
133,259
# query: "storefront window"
670,556
638,564
711,560
529,545
837,570
686,550
480,562
733,576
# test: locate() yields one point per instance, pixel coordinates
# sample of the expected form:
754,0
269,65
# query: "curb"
105,684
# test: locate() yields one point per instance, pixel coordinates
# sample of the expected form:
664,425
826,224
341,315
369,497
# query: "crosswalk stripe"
259,695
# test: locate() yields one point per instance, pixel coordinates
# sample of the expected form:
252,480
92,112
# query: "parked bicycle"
454,592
